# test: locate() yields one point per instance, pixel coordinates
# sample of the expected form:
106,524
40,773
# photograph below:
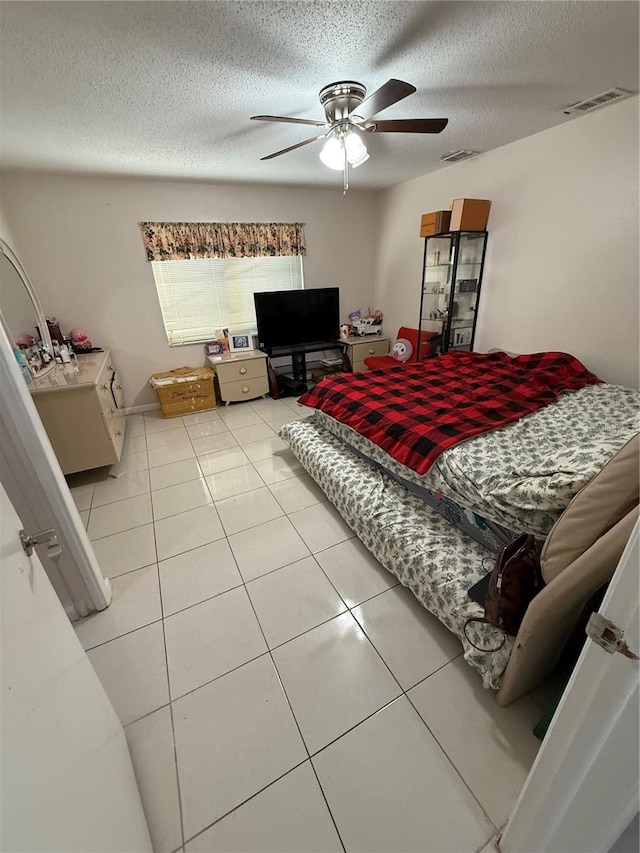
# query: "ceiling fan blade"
290,120
292,147
410,125
389,93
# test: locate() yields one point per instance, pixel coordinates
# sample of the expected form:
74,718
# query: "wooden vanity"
82,409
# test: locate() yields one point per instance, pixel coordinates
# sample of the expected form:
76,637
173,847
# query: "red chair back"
412,336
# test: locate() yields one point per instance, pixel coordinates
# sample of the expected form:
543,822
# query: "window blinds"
198,298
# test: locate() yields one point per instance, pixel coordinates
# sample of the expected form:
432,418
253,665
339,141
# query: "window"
200,297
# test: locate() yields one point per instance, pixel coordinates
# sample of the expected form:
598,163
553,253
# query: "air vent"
455,156
596,102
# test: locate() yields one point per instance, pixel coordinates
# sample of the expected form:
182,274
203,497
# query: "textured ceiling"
166,88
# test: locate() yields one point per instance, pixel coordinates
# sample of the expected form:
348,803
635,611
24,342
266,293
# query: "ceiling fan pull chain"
345,172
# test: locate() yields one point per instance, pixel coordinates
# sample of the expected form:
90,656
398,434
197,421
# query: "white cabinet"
82,410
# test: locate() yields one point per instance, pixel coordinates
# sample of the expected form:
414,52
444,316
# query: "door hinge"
608,636
42,537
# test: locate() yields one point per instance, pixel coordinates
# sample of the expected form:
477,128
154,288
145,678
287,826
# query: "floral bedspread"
524,475
436,561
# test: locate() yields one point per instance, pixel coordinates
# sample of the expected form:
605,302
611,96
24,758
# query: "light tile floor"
279,690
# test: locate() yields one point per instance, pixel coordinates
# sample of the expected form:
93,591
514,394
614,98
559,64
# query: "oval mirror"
21,314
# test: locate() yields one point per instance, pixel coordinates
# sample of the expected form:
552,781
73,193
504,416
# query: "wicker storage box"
184,390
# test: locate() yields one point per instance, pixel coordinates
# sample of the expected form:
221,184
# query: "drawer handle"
372,352
109,367
112,411
119,387
245,389
243,370
105,387
118,432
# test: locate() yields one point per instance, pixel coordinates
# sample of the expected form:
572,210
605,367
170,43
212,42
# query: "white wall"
79,241
562,258
5,232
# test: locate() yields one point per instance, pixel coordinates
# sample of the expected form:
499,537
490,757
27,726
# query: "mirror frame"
6,250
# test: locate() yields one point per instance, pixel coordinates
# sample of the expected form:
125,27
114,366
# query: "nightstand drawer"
239,371
248,389
363,350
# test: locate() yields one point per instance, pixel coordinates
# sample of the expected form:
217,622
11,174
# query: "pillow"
402,350
609,496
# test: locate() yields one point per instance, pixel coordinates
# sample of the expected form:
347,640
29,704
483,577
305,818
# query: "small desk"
240,375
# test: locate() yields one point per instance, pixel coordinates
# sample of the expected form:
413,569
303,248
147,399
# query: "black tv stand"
298,353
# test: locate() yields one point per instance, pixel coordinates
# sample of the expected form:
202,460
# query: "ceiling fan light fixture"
332,153
357,153
339,142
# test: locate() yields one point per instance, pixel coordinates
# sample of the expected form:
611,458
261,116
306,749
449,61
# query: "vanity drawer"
236,371
249,389
114,424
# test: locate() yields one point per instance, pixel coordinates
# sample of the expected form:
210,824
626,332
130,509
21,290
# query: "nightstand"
359,348
240,375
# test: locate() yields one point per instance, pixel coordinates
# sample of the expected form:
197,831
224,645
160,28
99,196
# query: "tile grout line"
450,761
405,693
269,652
166,662
295,719
244,802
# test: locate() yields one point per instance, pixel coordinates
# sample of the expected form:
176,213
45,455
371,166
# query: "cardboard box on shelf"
434,223
470,214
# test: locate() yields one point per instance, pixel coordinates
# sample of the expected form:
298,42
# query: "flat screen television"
288,318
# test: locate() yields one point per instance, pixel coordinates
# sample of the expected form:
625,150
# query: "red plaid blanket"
414,412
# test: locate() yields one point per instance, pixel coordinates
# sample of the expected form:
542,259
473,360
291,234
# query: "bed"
544,447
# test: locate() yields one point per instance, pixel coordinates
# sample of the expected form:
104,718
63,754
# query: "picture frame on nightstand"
214,348
240,340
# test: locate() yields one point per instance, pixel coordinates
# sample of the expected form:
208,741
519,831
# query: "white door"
67,782
583,787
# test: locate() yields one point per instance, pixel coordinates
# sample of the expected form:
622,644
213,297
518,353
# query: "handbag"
515,581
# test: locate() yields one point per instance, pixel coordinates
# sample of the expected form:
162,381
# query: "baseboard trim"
72,612
147,407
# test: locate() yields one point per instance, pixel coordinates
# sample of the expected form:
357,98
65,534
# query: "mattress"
436,561
522,476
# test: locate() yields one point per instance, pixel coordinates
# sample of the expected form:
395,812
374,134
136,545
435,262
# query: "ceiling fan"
349,115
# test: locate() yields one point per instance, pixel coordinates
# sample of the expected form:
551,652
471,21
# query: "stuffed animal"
402,350
25,340
80,340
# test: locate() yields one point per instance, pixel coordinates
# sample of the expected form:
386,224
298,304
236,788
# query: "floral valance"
183,241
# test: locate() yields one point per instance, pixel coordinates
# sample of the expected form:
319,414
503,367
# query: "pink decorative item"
25,340
402,350
79,339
